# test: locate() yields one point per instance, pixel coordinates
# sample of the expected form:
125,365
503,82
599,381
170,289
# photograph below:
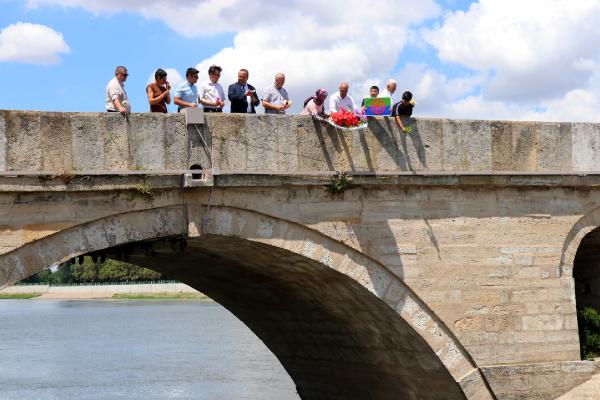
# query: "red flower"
345,118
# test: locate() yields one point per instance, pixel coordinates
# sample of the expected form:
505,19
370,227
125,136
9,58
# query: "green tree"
85,272
117,271
63,274
589,332
89,272
43,276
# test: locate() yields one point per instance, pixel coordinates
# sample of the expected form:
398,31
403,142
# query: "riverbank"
143,291
18,296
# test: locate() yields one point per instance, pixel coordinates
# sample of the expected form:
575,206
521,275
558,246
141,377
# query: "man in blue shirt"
186,93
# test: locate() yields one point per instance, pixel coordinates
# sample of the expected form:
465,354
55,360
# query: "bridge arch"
341,324
580,263
584,226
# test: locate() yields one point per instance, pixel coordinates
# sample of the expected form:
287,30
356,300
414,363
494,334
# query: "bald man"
342,100
275,100
390,90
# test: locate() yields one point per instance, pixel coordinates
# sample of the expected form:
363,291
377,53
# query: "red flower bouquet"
346,119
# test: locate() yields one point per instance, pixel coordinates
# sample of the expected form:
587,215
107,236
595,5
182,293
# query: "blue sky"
77,82
462,59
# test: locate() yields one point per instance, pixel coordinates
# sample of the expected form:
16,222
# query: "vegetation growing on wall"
338,184
589,332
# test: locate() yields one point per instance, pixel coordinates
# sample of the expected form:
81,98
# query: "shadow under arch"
341,324
586,271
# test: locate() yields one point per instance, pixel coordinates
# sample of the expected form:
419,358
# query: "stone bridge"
448,265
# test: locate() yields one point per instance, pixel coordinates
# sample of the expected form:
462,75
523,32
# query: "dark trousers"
207,109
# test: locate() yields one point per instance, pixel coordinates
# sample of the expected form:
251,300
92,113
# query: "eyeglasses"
125,75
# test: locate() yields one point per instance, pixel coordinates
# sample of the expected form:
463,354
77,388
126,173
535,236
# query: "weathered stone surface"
586,147
87,142
147,140
538,381
23,142
176,143
56,140
2,142
502,145
293,143
588,390
117,152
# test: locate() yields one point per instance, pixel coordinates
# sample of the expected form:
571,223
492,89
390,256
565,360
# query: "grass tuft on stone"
337,185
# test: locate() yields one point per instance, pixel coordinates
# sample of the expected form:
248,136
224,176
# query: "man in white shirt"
390,90
342,100
276,99
211,93
116,97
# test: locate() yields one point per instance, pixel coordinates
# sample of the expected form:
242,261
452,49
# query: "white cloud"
31,43
437,95
434,92
576,106
535,49
315,43
332,20
322,49
520,59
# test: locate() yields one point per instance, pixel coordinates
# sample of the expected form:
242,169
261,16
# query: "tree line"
88,271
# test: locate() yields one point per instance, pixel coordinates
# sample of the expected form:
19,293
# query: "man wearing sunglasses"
186,93
116,96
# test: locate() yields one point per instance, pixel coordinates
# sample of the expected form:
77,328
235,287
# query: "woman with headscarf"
314,105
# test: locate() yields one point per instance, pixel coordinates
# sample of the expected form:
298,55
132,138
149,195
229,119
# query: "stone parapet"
61,142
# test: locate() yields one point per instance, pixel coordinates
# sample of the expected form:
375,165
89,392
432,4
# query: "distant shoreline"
119,296
116,291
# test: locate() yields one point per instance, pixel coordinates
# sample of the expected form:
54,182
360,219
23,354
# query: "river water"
105,350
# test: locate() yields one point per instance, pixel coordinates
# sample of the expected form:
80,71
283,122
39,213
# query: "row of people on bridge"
242,95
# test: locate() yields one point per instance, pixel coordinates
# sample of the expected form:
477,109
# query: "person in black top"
403,108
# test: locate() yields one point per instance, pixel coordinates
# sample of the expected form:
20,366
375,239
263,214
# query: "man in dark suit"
242,95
